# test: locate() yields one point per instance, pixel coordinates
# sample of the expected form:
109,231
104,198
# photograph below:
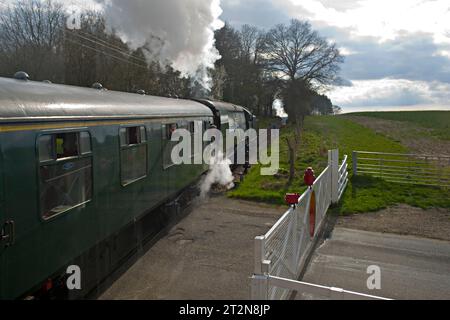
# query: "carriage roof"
224,106
23,101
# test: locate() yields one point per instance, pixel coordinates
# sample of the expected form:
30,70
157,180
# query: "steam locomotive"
81,174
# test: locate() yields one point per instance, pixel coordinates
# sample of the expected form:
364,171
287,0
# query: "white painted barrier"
282,253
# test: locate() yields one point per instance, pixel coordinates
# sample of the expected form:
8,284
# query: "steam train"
81,174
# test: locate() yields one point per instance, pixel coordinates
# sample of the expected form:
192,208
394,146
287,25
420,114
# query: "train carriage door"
3,228
167,144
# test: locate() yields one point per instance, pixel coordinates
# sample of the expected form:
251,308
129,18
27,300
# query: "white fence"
281,254
404,168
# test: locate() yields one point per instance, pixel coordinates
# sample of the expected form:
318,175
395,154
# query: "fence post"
260,281
260,287
333,162
355,163
259,254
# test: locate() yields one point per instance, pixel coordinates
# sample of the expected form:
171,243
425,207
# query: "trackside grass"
364,194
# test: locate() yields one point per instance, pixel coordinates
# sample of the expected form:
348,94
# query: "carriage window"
132,136
45,148
170,129
168,144
133,158
67,145
192,132
143,134
85,143
232,123
240,119
65,172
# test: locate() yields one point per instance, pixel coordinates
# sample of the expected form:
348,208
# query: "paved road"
209,255
412,268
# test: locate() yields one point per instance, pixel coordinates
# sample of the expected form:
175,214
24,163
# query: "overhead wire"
81,35
73,33
107,54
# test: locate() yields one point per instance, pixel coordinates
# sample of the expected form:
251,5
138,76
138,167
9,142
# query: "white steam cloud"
219,173
279,108
179,33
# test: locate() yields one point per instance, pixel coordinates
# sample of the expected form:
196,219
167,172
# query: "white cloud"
397,50
383,19
444,53
347,51
386,94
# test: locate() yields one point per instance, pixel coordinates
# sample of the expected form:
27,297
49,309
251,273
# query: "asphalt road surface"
411,267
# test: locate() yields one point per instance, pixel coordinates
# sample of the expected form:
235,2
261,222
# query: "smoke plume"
219,173
279,109
179,33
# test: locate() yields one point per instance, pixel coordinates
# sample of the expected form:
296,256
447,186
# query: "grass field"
437,121
364,194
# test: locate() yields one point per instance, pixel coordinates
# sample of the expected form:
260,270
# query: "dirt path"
417,139
402,220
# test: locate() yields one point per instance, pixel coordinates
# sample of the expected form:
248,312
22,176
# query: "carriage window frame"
206,125
126,144
191,125
241,120
54,160
166,132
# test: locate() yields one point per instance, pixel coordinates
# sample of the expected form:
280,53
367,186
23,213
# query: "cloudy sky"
397,51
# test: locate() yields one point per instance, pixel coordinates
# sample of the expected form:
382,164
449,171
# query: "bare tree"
297,52
252,43
31,37
303,61
34,38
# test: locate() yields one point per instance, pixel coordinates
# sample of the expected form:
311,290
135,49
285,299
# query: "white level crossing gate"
282,253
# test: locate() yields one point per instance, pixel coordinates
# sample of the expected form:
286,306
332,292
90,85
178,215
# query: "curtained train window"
65,172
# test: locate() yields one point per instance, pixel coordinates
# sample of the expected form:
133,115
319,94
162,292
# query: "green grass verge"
320,135
437,121
367,194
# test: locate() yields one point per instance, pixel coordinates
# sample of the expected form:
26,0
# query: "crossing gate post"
333,162
355,163
260,280
260,287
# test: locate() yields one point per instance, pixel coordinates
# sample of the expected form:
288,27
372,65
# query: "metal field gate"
427,170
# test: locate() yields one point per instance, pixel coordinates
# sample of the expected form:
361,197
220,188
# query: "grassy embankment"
437,122
363,194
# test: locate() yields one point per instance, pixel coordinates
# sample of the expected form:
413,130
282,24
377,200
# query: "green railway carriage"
230,117
80,172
